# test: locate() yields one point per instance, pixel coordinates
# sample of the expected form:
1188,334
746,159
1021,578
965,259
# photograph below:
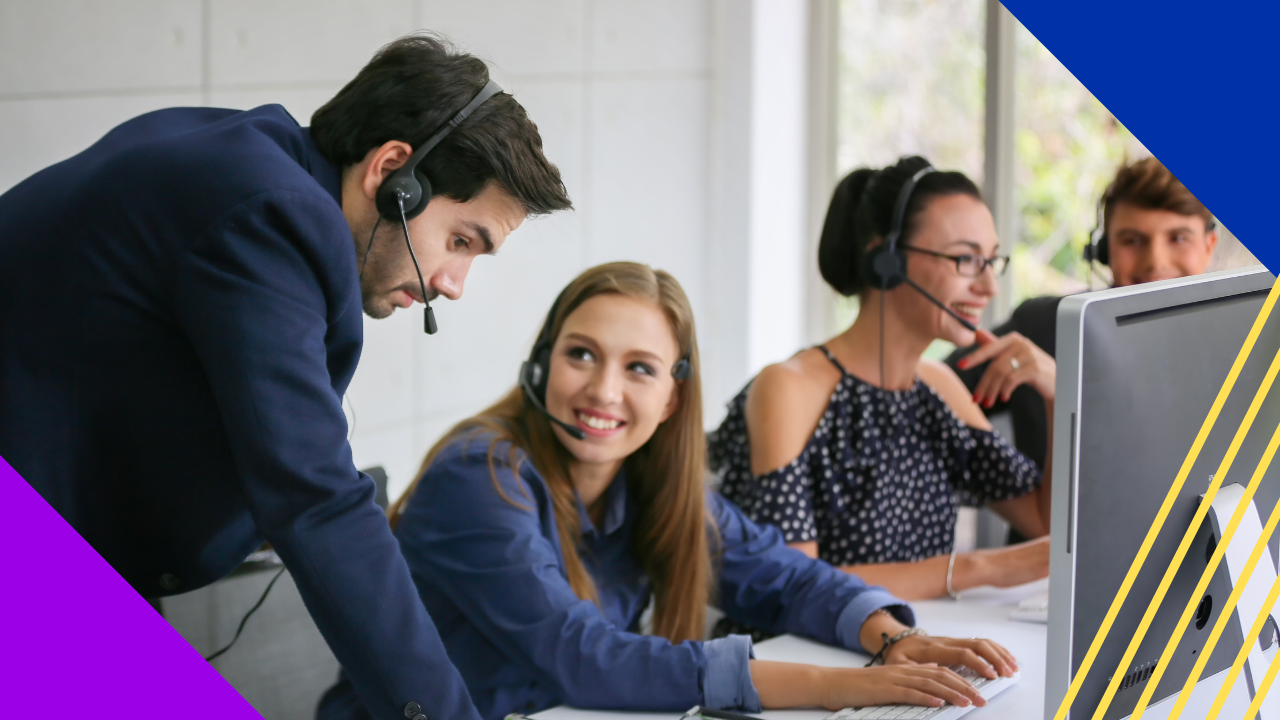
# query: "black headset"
885,266
535,371
409,185
1099,247
404,194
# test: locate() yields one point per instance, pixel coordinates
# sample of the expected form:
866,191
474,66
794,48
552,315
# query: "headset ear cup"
884,269
396,186
682,369
1103,253
869,275
539,370
424,196
529,374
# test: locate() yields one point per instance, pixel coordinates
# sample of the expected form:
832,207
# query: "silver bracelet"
951,566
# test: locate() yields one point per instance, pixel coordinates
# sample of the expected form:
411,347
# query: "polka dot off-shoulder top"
880,480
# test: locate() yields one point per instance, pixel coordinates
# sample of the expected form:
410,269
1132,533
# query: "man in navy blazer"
180,315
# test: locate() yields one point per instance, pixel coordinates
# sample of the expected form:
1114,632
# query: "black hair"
410,89
861,212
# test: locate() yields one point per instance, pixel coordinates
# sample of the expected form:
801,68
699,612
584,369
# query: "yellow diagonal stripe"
1174,491
1242,508
1187,537
1261,693
1224,615
1243,653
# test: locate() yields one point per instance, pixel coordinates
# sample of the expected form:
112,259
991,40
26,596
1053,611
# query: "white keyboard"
986,687
1033,609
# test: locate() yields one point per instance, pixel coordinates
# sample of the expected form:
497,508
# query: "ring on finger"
1013,362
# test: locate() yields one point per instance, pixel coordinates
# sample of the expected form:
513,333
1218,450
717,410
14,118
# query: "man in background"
1150,227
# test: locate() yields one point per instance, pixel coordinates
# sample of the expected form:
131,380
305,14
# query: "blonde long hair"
674,534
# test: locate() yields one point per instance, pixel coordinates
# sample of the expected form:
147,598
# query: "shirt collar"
615,508
324,171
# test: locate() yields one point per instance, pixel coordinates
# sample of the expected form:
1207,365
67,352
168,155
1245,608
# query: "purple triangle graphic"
78,640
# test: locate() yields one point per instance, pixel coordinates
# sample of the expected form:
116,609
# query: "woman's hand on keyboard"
925,685
985,657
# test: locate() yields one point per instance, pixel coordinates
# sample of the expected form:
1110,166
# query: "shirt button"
412,709
168,582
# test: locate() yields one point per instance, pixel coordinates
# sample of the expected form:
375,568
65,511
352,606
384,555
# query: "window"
911,79
1067,147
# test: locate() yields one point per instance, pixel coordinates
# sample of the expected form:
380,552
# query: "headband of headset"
886,266
411,188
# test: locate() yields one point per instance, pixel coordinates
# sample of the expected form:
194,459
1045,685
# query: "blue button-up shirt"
486,558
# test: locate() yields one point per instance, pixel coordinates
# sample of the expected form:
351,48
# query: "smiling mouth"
597,423
967,310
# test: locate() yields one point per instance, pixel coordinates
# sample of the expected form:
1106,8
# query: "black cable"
879,657
246,617
725,715
369,247
405,222
884,298
428,317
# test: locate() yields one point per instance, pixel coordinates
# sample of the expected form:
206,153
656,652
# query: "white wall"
652,110
779,116
761,256
619,91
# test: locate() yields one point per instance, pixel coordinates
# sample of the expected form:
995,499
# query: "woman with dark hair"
859,450
536,544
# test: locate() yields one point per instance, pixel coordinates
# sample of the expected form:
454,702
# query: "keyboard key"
910,712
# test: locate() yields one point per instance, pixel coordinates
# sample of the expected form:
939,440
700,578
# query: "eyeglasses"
969,265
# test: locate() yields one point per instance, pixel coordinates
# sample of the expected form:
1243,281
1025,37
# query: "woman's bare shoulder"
784,405
948,386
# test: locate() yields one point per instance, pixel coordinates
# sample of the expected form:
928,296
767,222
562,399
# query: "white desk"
983,612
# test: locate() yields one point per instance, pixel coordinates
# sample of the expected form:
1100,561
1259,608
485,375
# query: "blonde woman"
540,529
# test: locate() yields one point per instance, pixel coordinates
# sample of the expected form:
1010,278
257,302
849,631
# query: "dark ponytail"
861,212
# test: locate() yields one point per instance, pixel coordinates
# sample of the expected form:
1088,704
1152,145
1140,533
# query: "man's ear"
1211,241
381,162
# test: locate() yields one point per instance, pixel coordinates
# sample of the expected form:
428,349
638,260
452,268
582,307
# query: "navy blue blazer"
180,316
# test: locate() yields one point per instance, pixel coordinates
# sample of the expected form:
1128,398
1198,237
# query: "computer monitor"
1139,368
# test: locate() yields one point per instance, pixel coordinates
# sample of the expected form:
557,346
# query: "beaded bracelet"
888,641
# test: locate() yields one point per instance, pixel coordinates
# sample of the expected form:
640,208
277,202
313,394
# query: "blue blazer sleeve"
779,589
496,558
258,295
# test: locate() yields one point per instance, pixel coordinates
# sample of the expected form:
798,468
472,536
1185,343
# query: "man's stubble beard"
374,286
